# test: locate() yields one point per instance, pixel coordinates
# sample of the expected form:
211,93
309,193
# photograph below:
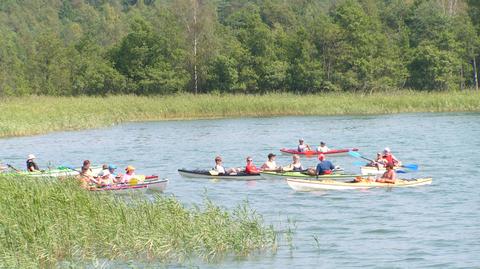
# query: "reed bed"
51,223
41,114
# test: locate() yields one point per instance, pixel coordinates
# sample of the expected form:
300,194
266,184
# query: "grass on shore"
46,223
41,114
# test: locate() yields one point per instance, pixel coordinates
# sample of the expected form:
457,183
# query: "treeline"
98,47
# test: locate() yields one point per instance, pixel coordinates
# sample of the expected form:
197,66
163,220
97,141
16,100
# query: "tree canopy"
99,47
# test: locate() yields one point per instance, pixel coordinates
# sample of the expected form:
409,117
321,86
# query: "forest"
157,47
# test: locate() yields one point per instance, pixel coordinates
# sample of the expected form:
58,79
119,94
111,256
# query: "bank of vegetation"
50,223
98,47
41,114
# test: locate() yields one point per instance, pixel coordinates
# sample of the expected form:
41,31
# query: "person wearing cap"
105,177
323,147
105,171
296,165
390,158
250,168
270,164
390,176
129,174
324,167
31,164
379,161
302,147
111,170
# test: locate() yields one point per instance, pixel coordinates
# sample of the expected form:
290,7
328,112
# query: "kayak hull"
276,175
330,153
151,183
56,173
327,184
373,170
206,175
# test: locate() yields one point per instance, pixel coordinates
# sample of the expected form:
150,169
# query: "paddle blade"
413,167
359,163
401,172
354,154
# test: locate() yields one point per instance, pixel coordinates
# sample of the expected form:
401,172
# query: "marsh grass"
42,114
46,223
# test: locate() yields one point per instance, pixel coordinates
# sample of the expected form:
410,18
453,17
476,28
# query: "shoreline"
37,115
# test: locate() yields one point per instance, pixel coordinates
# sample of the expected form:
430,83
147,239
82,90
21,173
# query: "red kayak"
311,153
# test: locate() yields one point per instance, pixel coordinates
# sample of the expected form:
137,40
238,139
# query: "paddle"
413,167
358,155
16,170
71,168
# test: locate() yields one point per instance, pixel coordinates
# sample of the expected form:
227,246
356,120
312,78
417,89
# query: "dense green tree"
75,47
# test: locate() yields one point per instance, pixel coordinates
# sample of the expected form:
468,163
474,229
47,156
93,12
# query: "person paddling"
31,164
324,167
390,176
270,164
250,168
379,161
390,158
302,147
296,165
323,147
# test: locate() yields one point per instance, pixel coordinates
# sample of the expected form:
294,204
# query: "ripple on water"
431,226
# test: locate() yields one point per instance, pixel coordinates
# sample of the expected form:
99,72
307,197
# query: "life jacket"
327,172
389,159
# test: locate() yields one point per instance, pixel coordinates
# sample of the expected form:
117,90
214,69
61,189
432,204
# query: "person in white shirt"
302,147
221,170
323,147
270,164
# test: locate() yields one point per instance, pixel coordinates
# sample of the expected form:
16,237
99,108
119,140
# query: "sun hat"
130,168
31,156
386,150
112,166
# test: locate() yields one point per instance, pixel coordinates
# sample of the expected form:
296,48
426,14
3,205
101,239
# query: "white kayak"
373,170
328,184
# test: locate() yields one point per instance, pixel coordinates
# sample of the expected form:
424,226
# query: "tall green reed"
45,223
41,114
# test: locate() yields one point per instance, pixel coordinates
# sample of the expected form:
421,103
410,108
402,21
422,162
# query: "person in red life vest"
389,176
251,168
390,158
324,167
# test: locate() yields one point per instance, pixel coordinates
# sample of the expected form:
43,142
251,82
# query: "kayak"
330,153
155,183
373,170
118,188
150,182
57,172
282,175
206,174
328,184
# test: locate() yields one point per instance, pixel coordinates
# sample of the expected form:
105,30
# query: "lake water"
428,226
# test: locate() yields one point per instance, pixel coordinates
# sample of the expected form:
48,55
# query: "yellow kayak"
328,184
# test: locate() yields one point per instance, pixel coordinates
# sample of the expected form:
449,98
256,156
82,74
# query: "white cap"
386,150
301,139
31,156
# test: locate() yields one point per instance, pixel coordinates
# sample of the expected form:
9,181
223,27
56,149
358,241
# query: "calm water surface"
434,226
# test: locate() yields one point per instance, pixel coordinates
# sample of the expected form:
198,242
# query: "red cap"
321,157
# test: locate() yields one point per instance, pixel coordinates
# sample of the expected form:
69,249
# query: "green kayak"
302,175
